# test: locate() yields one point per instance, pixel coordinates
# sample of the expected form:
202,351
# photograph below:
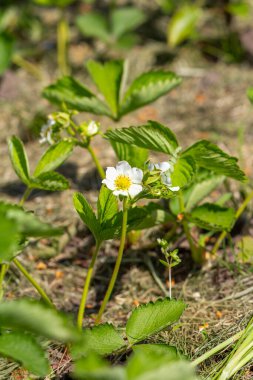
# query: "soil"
211,103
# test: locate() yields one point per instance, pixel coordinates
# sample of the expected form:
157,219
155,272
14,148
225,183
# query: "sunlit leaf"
94,25
54,156
69,91
107,78
50,181
19,159
153,136
209,156
125,20
150,318
147,88
213,217
107,205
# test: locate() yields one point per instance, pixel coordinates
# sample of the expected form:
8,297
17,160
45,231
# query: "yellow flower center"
122,182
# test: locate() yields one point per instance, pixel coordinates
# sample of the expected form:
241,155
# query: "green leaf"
93,367
6,51
184,171
24,349
209,156
35,317
107,205
50,181
126,19
149,357
134,155
87,215
201,189
250,94
94,25
150,318
19,159
213,217
182,24
107,78
155,215
147,88
102,339
245,247
9,239
153,136
56,3
75,96
53,157
26,223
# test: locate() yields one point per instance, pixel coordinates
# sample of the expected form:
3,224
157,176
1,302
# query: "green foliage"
213,217
153,136
250,94
202,189
43,177
102,339
6,52
135,156
153,317
53,157
19,159
32,316
107,205
245,249
183,24
116,30
54,3
108,78
184,171
209,156
24,349
51,181
87,215
16,225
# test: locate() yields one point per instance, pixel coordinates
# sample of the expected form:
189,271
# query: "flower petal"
108,183
111,173
123,167
163,166
120,192
136,175
174,188
134,190
166,180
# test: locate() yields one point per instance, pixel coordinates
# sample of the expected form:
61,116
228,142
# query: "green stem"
62,43
4,268
217,348
117,264
27,66
96,161
33,282
81,310
25,196
237,215
186,228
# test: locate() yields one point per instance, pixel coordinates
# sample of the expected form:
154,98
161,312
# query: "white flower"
46,131
124,180
166,168
92,128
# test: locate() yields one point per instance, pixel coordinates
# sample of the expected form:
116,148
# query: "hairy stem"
117,264
33,282
81,310
186,228
96,162
237,215
25,196
62,43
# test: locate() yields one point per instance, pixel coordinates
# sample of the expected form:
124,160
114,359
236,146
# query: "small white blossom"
166,168
46,132
92,128
124,180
